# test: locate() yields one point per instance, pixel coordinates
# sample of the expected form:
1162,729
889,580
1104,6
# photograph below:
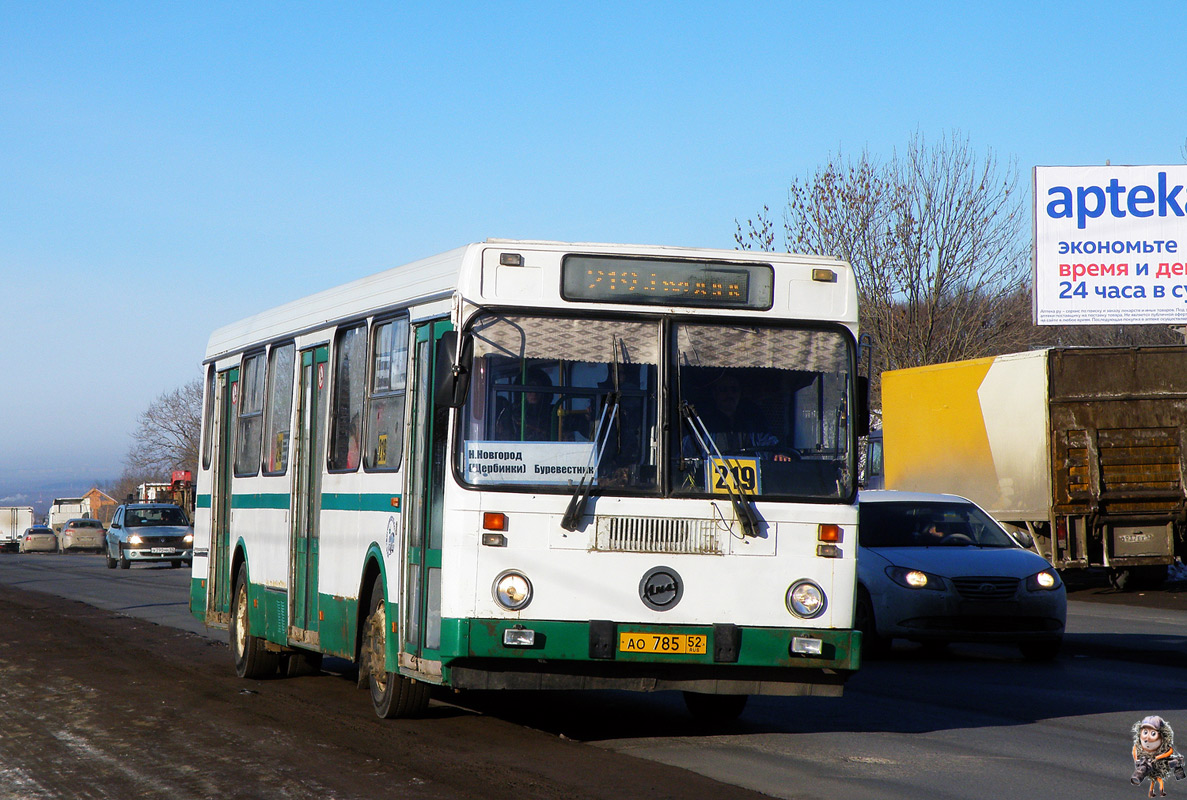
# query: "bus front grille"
658,535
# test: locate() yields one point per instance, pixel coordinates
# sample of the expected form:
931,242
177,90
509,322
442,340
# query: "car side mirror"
1024,538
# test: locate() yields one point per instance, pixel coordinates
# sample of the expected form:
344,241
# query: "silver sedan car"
937,569
38,539
145,532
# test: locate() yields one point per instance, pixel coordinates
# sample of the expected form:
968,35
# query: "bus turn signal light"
830,533
494,521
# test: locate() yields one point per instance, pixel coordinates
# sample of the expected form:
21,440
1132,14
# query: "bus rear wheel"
253,660
392,695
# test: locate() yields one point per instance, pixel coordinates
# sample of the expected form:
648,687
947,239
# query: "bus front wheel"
392,695
252,659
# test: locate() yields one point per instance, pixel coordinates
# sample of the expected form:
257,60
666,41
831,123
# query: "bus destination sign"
613,279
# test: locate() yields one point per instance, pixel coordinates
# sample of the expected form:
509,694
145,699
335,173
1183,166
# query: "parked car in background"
38,539
149,532
937,568
82,534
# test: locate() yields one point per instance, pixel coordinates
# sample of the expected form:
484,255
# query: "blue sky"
166,168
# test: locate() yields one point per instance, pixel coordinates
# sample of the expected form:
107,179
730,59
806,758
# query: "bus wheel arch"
253,660
392,695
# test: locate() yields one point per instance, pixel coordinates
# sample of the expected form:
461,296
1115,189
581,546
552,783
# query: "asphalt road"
975,722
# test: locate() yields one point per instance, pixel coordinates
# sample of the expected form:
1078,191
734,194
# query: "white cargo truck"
64,509
13,522
1084,448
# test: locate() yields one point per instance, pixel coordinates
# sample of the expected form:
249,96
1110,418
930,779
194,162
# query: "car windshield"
155,516
927,524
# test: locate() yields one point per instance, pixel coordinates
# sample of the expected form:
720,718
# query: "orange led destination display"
613,279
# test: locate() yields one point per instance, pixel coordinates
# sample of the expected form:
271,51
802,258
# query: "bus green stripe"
278,500
330,501
360,502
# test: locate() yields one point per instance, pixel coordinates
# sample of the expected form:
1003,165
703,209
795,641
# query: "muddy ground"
95,705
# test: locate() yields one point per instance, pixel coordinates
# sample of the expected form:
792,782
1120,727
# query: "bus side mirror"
452,369
863,405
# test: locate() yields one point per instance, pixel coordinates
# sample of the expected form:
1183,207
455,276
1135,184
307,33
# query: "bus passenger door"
218,593
420,606
306,512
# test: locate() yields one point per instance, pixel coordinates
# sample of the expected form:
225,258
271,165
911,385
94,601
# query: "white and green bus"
542,465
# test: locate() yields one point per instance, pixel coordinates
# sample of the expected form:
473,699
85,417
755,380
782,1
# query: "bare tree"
936,238
167,437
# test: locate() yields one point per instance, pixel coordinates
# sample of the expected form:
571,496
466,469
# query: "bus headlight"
513,590
806,600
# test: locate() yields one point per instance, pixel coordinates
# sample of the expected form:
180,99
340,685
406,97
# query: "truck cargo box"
1082,447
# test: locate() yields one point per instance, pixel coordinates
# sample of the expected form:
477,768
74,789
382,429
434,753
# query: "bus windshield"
765,408
554,400
544,388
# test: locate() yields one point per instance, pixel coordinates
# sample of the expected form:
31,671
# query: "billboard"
1110,245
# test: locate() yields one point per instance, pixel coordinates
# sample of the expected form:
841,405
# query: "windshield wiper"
576,509
743,506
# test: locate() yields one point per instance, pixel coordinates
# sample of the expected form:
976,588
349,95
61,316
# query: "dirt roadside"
103,707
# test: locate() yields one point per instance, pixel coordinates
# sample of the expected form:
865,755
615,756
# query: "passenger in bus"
353,447
737,425
527,416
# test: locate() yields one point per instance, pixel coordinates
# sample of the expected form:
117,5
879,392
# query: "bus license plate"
681,643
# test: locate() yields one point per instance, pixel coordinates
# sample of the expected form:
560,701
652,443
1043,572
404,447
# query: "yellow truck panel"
1084,447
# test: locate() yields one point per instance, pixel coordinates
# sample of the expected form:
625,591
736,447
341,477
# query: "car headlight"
513,590
806,600
915,578
135,539
1043,581
189,538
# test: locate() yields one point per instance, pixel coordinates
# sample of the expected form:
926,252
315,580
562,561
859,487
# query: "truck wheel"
253,660
1128,579
392,695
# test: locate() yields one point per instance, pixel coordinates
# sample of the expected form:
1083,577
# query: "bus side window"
350,367
385,396
251,416
279,406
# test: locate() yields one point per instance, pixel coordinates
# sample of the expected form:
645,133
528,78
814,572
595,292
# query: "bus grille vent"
658,535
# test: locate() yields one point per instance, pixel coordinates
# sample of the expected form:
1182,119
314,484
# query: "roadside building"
102,505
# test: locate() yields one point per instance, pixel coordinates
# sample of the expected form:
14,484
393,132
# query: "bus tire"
715,708
252,659
392,696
